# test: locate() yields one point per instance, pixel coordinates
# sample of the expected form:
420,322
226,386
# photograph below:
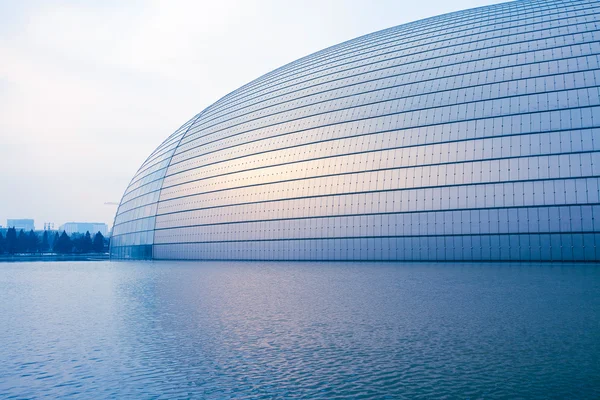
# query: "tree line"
22,242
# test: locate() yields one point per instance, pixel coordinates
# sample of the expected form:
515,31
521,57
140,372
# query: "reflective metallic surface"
468,136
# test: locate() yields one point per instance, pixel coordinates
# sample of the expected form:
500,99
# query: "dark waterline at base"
53,257
303,330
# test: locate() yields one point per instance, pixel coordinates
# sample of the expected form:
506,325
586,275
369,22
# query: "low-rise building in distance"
83,227
23,223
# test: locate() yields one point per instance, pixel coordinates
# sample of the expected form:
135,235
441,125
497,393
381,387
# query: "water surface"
299,330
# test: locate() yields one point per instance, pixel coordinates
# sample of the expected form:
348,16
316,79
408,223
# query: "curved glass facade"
468,136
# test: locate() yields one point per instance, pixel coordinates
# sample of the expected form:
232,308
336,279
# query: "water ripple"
299,330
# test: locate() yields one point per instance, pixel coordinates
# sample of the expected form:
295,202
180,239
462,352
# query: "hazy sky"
89,88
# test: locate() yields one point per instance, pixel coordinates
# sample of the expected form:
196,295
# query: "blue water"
299,330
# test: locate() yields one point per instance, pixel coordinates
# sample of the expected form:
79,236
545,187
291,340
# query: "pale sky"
89,88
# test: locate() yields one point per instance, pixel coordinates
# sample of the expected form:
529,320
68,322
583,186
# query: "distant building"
48,226
83,227
18,224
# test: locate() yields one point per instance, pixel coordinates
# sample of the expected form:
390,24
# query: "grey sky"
89,89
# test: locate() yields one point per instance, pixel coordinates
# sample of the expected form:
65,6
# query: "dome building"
468,136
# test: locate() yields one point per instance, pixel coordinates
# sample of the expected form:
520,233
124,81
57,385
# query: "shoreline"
54,257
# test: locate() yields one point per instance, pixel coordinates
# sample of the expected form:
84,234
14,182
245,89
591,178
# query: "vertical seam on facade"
166,170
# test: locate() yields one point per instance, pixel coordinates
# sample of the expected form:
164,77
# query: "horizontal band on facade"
449,210
387,88
424,52
377,151
400,129
398,169
388,237
315,94
392,36
379,191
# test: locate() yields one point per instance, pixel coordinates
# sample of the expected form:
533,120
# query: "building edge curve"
468,136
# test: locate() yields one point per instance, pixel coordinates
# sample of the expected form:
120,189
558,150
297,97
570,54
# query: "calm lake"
299,330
